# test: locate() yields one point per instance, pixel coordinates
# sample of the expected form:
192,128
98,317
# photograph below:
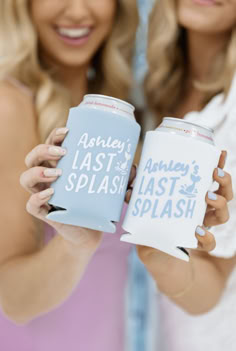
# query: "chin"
198,22
73,61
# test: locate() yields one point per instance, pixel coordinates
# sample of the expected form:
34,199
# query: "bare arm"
36,283
33,278
173,275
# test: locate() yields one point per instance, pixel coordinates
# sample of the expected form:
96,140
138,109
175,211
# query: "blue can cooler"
101,144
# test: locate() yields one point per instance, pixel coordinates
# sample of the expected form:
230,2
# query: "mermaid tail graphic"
122,167
190,190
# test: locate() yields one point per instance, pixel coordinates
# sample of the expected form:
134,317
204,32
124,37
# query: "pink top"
92,319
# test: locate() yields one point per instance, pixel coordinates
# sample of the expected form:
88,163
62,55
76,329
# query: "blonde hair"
19,59
167,62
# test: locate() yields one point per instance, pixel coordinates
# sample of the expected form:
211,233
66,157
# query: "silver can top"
109,104
182,127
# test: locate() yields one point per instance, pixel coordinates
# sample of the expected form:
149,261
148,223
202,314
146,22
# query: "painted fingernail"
200,231
56,151
46,193
52,172
62,131
211,196
220,172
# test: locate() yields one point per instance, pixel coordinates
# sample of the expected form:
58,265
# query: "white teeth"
74,33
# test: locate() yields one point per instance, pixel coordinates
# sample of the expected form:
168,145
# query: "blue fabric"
138,305
138,294
140,62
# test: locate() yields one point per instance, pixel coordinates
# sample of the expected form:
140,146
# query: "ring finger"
218,212
38,178
57,136
42,153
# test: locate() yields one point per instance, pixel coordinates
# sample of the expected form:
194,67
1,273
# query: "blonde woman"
44,276
48,50
192,63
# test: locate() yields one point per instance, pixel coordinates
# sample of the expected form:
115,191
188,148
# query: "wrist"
181,287
157,262
174,277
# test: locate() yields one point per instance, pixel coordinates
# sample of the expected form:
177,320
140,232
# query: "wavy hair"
19,58
166,56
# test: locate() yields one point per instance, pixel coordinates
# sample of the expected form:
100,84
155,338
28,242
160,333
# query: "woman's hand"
42,171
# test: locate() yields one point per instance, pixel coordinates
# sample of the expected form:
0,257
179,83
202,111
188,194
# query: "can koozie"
168,199
101,144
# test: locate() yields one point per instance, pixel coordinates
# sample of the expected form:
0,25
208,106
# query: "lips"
206,2
74,33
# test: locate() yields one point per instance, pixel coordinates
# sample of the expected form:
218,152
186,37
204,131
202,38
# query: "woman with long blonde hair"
92,315
192,67
51,54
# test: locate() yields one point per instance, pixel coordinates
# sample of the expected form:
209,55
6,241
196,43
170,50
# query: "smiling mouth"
207,2
74,33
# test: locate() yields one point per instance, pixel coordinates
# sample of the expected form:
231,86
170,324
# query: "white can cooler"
173,177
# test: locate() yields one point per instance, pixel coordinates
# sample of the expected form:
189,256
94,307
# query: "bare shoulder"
15,105
17,137
17,119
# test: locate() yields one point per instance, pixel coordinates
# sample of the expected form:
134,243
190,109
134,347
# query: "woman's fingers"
132,175
37,204
218,212
217,209
42,153
130,183
225,183
57,136
38,207
223,178
206,240
38,178
50,151
222,159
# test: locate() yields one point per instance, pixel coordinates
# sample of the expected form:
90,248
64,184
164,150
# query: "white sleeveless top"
215,330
